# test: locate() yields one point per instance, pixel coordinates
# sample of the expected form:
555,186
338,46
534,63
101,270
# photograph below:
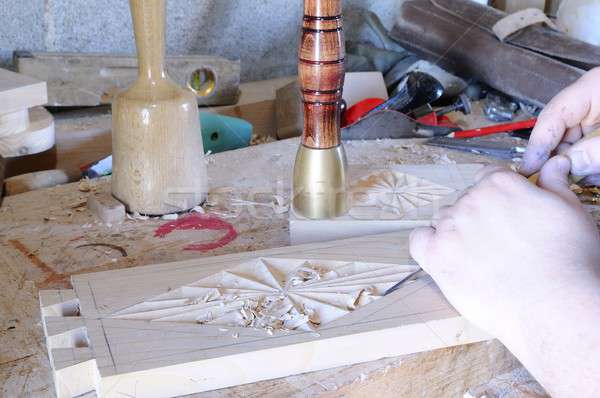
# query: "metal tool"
415,90
463,104
320,179
500,150
402,282
499,107
394,125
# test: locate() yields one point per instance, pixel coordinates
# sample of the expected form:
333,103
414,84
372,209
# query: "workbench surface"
48,235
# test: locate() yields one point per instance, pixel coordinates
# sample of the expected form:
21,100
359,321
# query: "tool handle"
499,128
321,72
149,20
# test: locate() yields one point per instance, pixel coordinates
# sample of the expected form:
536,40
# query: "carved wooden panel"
387,199
147,331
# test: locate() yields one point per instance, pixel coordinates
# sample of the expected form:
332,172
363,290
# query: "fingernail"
580,162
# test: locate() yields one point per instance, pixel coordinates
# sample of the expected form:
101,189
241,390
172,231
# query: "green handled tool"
224,133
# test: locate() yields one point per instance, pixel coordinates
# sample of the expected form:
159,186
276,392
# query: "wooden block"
107,208
34,135
93,79
36,180
19,92
163,330
393,206
25,127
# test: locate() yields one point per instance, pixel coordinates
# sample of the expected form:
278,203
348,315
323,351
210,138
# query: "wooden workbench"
44,238
48,235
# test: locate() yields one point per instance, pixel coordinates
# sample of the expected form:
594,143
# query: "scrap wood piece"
36,180
116,347
106,208
19,91
25,127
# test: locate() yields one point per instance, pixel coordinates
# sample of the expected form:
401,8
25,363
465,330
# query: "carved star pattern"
391,194
273,294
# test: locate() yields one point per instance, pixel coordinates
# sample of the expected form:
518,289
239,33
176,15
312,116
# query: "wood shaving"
87,185
278,204
137,216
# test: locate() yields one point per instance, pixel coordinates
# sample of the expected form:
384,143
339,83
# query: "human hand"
508,247
570,116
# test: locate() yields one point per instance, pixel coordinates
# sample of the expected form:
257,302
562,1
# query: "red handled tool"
496,129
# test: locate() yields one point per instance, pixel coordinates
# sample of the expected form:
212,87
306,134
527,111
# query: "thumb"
585,157
420,240
554,177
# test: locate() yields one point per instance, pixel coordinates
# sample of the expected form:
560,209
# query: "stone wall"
262,33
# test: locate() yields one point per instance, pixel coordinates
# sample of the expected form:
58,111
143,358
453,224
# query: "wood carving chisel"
320,180
499,150
402,282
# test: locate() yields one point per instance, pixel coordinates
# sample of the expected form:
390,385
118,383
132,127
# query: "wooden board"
40,249
406,196
110,335
25,126
19,92
37,137
93,79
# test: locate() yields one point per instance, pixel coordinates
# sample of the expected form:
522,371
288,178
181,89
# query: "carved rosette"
391,195
273,294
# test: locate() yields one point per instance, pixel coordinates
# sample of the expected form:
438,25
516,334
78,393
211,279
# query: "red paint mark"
200,222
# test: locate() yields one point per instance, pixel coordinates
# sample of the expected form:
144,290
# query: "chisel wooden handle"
321,72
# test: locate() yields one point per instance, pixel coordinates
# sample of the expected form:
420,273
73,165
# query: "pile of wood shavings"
277,312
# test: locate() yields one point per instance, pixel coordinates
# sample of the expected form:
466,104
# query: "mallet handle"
321,72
